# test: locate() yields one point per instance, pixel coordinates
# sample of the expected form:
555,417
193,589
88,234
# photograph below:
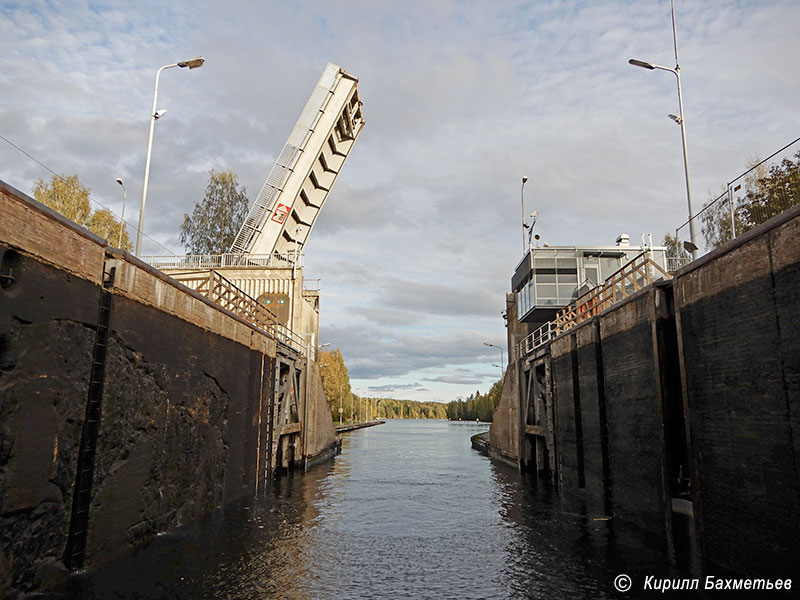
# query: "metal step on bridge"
299,182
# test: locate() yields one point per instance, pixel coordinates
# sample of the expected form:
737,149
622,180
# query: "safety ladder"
79,522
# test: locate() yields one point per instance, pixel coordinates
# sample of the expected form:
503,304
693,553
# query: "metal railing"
226,294
760,193
637,274
535,340
216,261
632,277
677,262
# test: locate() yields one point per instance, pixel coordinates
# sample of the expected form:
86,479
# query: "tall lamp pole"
502,359
154,115
680,120
122,218
522,202
341,387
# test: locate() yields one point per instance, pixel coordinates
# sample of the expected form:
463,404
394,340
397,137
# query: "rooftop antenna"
534,216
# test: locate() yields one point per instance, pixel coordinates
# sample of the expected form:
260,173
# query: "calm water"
408,510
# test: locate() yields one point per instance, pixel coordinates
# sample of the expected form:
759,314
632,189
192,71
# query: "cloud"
418,240
388,353
458,379
396,387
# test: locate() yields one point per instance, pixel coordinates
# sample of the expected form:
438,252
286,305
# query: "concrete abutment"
166,405
676,410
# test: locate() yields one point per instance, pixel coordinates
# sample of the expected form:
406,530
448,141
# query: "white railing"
216,261
677,262
535,340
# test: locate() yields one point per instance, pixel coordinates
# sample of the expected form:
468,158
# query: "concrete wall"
44,375
737,317
633,410
186,398
686,395
504,434
319,422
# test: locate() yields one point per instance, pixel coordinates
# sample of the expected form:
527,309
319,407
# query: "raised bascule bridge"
260,278
160,389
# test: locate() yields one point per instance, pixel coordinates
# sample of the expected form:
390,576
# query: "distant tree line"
477,406
336,385
388,408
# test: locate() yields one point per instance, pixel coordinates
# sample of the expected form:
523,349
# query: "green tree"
677,255
106,225
216,220
336,383
766,193
770,194
65,195
68,196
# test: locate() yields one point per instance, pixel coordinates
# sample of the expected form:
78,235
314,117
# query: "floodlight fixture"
640,63
192,63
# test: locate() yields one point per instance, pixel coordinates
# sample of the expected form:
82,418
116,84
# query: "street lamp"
341,387
680,120
502,360
154,115
522,201
122,218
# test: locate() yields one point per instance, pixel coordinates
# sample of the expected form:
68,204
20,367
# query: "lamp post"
502,359
680,120
341,387
522,201
154,115
122,218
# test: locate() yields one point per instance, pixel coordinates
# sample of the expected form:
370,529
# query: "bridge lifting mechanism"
283,214
263,266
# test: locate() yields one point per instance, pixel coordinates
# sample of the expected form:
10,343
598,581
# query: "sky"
418,240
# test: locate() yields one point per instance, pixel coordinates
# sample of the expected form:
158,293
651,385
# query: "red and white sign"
280,214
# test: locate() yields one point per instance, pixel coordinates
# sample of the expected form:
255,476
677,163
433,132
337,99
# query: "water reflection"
408,510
